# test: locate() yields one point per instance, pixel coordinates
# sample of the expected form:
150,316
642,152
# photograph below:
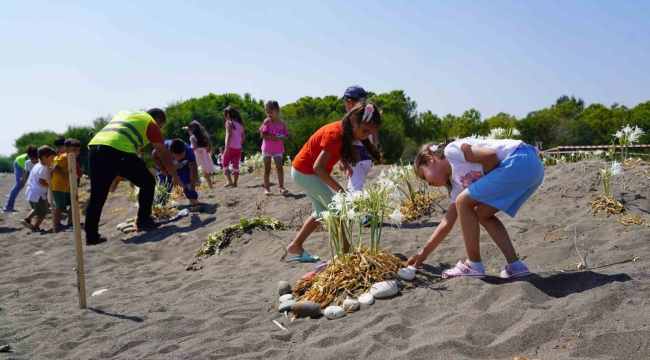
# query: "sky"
68,62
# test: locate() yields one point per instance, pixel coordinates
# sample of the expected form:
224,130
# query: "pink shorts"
231,156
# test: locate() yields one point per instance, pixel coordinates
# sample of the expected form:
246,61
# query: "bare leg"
229,183
469,225
30,215
56,216
280,169
39,221
308,227
235,177
208,179
497,231
267,173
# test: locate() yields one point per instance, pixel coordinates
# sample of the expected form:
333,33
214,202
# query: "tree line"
566,122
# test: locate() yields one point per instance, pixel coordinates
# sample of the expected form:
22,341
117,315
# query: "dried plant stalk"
628,219
607,204
422,205
354,274
161,212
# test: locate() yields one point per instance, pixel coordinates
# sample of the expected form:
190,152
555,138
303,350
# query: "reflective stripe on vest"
125,132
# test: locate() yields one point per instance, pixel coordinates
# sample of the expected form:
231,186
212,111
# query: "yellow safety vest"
21,160
127,131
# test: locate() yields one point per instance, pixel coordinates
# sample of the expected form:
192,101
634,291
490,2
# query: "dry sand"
156,309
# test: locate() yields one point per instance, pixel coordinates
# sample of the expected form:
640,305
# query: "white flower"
627,130
515,132
619,134
617,169
396,217
324,216
636,134
598,152
353,214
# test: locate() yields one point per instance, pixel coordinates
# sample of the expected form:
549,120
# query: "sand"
155,309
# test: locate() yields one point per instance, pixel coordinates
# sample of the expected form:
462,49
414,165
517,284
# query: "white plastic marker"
280,326
99,292
76,224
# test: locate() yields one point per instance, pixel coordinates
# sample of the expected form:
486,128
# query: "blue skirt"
514,181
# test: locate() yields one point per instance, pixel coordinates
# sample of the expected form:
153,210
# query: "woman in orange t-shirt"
312,166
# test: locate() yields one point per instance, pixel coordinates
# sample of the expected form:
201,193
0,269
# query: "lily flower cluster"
344,218
606,174
628,135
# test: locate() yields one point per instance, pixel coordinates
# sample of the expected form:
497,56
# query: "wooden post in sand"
76,223
51,199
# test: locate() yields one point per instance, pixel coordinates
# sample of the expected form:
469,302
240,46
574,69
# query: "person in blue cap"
360,171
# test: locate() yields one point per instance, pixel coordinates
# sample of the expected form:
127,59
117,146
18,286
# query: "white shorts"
273,155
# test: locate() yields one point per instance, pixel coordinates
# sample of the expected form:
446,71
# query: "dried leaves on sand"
355,274
607,204
219,240
420,206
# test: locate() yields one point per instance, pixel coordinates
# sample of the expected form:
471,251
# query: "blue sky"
68,62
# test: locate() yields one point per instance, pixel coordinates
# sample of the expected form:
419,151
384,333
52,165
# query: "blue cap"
355,92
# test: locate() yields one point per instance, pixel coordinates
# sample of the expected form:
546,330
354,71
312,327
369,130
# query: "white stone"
99,292
350,305
366,299
285,306
334,312
40,252
384,289
407,274
286,297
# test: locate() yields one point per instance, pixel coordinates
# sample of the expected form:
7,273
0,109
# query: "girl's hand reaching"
416,260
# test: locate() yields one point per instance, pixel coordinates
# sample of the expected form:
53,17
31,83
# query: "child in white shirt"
37,186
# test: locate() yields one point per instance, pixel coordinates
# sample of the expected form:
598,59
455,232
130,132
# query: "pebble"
286,297
407,273
286,305
350,305
184,212
306,309
40,252
366,299
122,226
384,289
184,234
99,292
308,275
284,288
334,312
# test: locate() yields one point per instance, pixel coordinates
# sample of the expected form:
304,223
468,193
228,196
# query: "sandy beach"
154,308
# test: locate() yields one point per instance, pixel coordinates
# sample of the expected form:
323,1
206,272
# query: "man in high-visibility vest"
114,152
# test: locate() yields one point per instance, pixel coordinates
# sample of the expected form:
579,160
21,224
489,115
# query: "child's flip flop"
462,270
304,258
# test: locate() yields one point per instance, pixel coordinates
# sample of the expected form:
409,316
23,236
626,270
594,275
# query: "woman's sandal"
284,191
267,193
462,270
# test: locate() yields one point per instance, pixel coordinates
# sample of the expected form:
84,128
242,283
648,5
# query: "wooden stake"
76,223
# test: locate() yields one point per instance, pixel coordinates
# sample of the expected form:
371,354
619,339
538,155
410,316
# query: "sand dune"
154,308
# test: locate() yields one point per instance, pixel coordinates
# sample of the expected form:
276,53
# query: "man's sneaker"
8,210
366,221
99,240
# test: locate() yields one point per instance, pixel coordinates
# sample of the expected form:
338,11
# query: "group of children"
39,170
483,177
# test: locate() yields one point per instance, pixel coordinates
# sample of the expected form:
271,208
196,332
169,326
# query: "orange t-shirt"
330,138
